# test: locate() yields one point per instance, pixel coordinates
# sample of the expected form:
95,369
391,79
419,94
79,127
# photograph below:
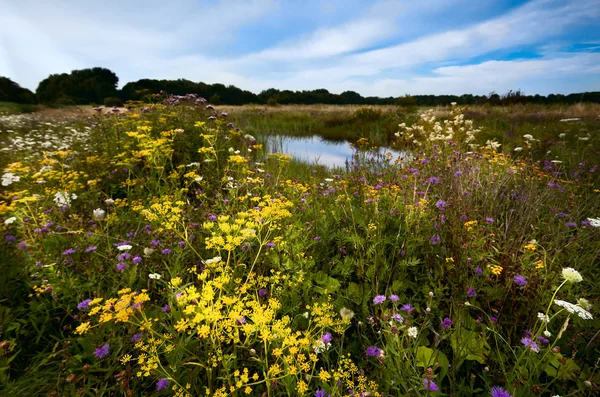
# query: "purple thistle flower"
435,239
497,391
397,317
166,308
69,251
447,323
373,351
166,251
430,385
407,308
489,220
529,343
471,292
441,204
182,244
121,267
124,256
521,281
90,248
270,244
478,270
136,260
84,304
322,393
379,299
542,339
102,351
137,337
262,292
326,338
162,384
433,179
394,298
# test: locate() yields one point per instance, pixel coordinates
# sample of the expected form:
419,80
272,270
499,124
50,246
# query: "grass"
163,252
16,108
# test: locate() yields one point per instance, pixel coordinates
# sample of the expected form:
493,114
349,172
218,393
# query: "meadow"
165,251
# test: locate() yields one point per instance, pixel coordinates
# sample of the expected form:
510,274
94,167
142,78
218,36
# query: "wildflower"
137,337
124,247
216,259
520,280
326,338
109,201
99,214
136,260
447,323
322,393
407,308
518,149
430,385
166,309
571,275
8,178
471,292
373,351
547,334
433,180
584,303
121,266
394,298
594,222
346,314
413,332
379,299
162,384
528,137
542,339
154,276
69,251
397,317
148,251
10,220
571,308
83,304
102,351
90,248
435,239
497,391
529,343
262,292
489,220
63,199
543,318
441,204
166,251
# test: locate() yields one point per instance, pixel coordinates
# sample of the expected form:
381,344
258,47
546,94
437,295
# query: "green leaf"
469,345
427,357
562,369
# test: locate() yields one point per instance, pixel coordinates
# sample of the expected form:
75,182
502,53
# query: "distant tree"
80,86
13,92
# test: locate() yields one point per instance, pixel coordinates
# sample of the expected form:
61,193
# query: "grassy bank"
164,252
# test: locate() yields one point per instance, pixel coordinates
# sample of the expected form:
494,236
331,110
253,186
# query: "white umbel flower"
8,178
154,276
571,275
543,318
63,199
413,332
124,247
99,214
211,261
10,220
571,308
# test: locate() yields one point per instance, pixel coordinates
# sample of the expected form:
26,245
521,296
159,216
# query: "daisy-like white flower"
8,178
124,247
571,308
10,220
154,276
571,275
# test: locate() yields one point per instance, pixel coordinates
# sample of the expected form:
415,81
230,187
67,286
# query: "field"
165,250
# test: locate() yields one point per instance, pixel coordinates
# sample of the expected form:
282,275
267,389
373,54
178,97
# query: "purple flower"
447,323
102,351
240,321
182,244
262,292
162,384
407,308
570,224
379,299
124,256
435,239
326,338
394,298
489,220
136,260
430,385
471,292
397,317
441,204
458,173
497,391
90,248
478,270
270,244
121,267
155,243
137,337
322,393
529,343
166,308
433,180
84,304
542,339
166,251
520,280
373,351
69,251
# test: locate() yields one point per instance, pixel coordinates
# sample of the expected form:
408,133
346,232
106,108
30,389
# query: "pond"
316,150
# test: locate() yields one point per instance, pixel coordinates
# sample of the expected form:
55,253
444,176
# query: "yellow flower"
82,328
301,387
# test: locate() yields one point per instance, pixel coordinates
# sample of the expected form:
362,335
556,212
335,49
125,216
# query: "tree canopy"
13,92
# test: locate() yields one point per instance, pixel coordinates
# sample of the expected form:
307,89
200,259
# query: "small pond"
315,150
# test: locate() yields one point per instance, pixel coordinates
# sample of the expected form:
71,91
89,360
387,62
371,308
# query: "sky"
376,48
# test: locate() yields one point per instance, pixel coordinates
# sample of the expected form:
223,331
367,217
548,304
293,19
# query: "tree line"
98,86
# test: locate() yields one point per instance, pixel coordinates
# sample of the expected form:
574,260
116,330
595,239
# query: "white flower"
528,137
571,308
584,138
109,201
10,220
124,247
413,332
547,333
571,275
328,180
556,161
193,165
562,135
584,303
62,198
543,317
346,313
216,259
518,149
99,214
305,314
493,144
154,276
594,222
148,251
199,179
9,178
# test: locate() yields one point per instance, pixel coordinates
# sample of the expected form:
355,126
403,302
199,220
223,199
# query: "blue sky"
383,48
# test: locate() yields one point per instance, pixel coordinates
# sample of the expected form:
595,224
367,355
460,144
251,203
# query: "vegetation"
13,92
163,251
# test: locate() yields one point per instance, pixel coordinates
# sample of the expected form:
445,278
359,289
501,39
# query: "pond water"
316,150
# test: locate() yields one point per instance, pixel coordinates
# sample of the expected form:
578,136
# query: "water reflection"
315,150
